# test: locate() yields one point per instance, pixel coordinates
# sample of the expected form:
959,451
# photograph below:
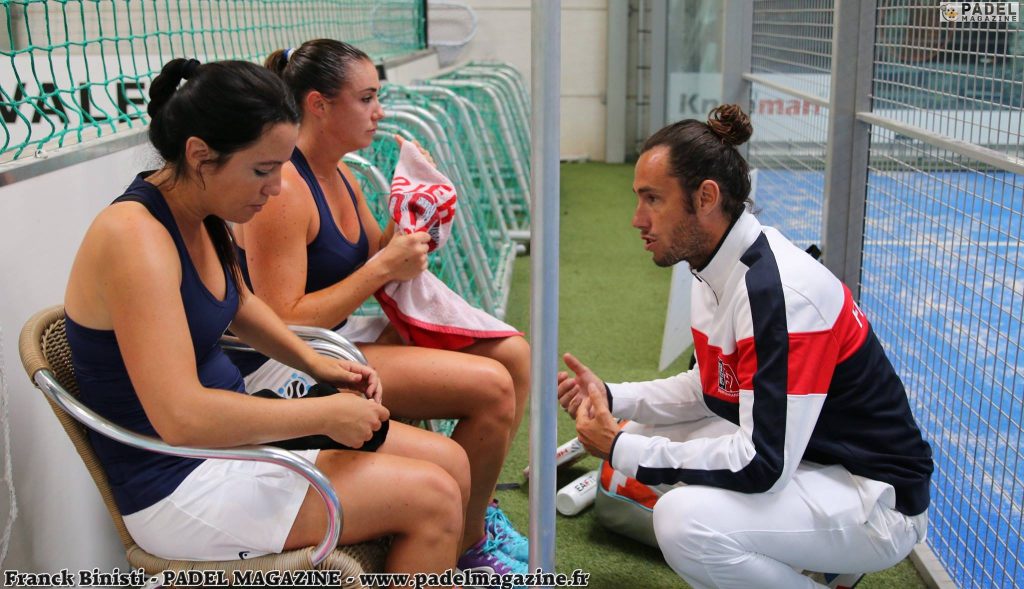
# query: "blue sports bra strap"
306,171
355,202
351,191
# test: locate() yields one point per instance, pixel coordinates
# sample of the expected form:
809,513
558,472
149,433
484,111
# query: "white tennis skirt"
223,510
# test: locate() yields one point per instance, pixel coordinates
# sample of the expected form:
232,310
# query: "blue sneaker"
484,556
509,541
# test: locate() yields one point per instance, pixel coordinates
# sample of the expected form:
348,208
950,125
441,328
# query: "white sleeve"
659,402
783,378
734,461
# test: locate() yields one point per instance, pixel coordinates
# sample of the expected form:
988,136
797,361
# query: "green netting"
512,75
74,70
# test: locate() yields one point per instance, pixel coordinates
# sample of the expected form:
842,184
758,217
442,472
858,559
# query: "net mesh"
942,274
791,47
75,70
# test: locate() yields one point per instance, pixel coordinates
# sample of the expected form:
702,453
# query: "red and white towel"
424,311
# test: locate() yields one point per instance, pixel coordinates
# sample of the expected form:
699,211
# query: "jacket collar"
737,240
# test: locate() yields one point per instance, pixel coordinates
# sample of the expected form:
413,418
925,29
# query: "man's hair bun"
731,124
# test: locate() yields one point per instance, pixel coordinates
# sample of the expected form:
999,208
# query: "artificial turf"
612,302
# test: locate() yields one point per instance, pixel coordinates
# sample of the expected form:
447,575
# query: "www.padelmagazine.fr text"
289,578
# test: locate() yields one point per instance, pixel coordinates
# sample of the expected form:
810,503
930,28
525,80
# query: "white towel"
424,311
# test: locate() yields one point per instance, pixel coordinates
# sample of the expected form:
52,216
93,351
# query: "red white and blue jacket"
784,352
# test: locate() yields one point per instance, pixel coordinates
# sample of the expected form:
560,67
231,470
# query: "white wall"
62,521
504,34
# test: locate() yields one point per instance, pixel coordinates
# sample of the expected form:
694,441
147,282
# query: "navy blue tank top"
138,478
330,257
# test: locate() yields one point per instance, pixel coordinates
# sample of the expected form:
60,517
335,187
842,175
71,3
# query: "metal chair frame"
46,358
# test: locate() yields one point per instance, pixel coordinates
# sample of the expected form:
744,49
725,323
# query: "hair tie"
288,54
189,68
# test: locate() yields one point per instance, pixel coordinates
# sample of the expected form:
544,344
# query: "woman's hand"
352,419
405,256
426,154
344,374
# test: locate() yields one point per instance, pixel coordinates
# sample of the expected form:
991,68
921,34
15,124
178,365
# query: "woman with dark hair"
154,286
317,254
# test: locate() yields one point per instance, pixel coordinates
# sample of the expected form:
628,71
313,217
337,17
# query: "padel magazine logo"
980,11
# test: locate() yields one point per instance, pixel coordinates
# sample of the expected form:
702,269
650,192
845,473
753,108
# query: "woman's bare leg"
421,383
415,501
514,354
413,442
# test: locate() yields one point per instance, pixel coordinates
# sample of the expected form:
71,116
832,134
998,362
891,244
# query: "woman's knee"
495,390
436,499
518,354
455,461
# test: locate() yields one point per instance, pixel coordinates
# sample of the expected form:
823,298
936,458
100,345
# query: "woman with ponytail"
317,254
154,286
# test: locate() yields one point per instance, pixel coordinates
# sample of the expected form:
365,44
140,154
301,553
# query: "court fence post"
737,23
847,141
544,239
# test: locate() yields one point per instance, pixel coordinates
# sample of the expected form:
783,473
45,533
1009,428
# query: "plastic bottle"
577,495
566,454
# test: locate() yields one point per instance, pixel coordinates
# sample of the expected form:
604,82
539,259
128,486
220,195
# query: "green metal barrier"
487,233
458,264
480,155
475,124
507,138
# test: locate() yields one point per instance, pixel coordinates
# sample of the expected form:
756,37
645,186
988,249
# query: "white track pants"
824,520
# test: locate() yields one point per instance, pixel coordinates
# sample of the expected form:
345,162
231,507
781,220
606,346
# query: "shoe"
510,541
484,556
844,581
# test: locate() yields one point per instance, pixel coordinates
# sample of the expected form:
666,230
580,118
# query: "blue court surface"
943,285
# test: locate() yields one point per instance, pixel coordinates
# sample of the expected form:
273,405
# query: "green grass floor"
611,312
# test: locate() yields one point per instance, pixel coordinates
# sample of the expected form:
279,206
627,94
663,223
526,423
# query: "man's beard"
685,244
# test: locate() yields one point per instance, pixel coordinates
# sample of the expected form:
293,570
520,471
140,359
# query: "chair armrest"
47,383
322,340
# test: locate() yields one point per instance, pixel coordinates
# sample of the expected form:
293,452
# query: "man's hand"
572,390
595,425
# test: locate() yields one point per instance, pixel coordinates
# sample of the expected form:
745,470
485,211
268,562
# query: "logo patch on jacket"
727,381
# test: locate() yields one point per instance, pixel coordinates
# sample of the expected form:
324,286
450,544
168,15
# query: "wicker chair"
47,359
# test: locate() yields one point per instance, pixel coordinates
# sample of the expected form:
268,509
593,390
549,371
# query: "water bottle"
565,455
577,495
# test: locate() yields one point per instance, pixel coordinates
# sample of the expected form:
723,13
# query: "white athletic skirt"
223,510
